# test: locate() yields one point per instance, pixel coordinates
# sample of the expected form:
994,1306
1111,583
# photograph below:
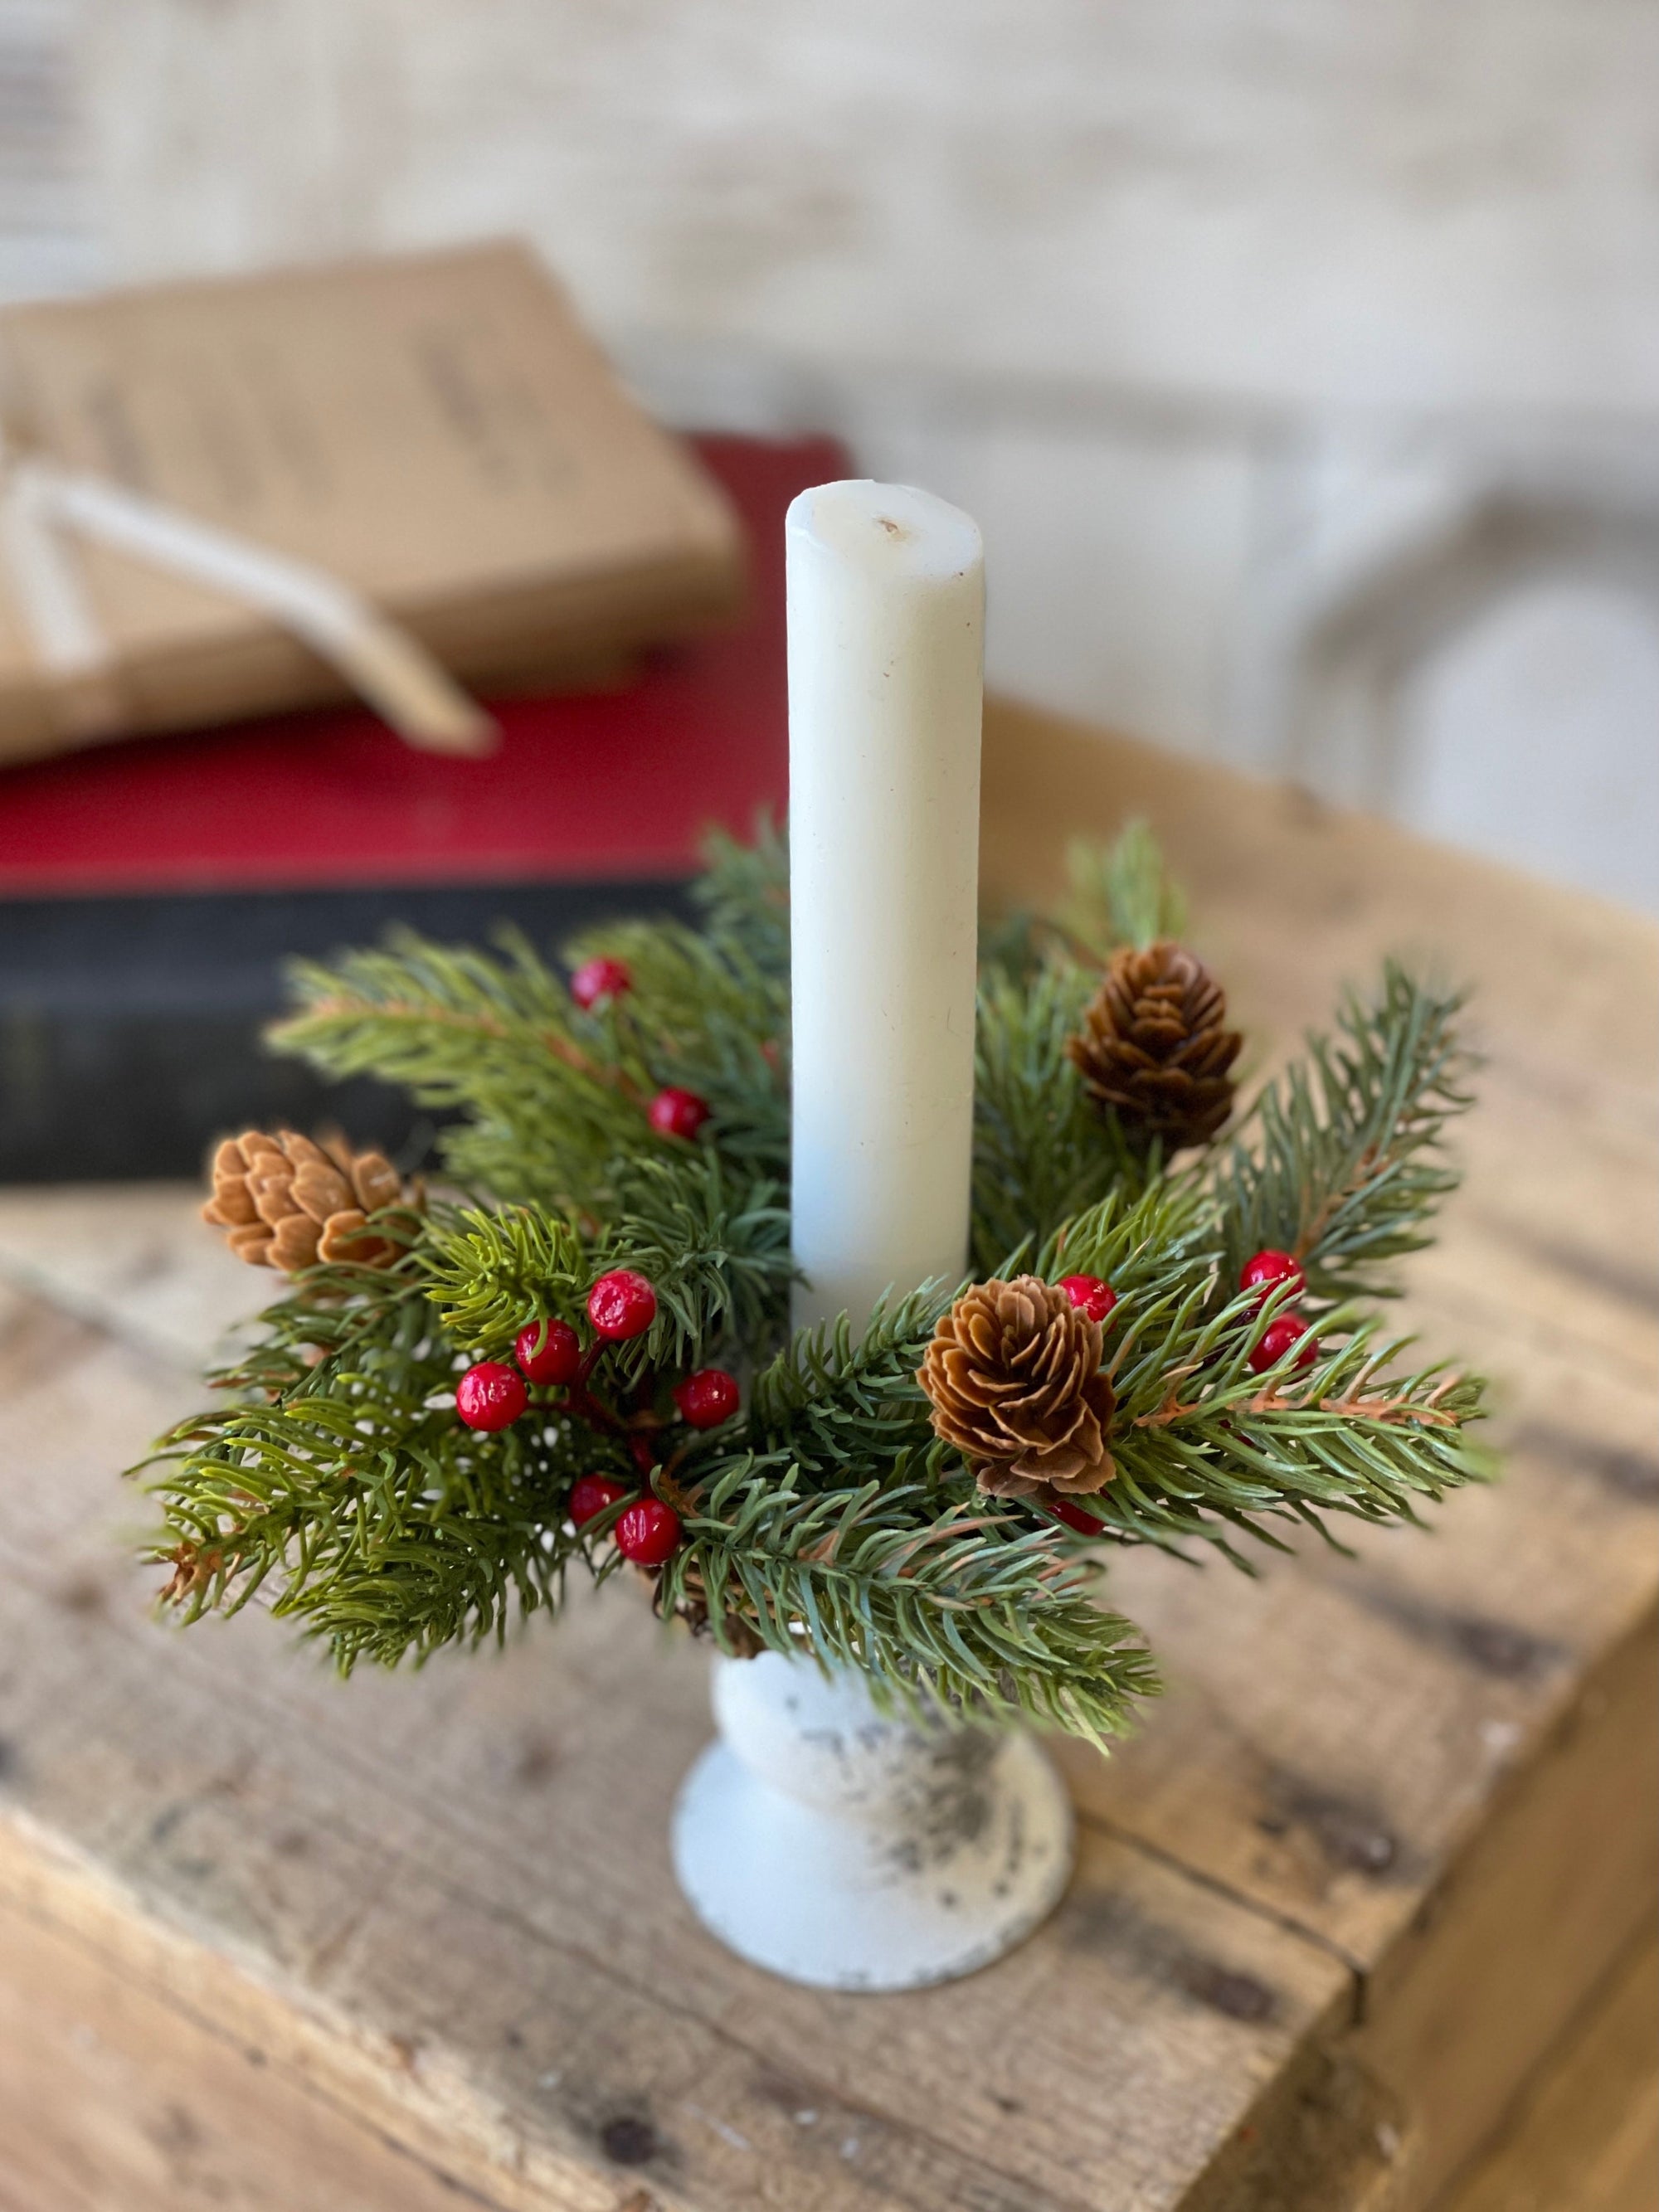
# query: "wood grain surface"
267,1941
1587,2138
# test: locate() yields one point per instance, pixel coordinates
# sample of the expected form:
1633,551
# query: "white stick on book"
40,501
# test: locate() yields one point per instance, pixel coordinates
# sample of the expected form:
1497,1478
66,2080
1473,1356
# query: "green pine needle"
1122,894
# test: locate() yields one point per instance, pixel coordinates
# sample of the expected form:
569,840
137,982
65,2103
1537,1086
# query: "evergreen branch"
553,1093
382,1523
942,1603
1202,1443
385,1544
488,1273
716,1249
434,1018
1043,1152
1141,1245
705,1017
828,1404
494,1037
1347,1166
1123,895
1117,895
717,1257
744,897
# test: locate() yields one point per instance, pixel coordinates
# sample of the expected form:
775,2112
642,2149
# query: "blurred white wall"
1271,343
48,230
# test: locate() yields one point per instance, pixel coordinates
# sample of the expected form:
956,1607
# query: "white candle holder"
837,1847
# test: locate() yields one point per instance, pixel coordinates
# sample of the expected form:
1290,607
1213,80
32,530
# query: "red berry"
1276,1340
596,980
1267,1270
676,1113
1095,1298
593,1494
621,1304
707,1398
1074,1517
490,1395
548,1351
648,1533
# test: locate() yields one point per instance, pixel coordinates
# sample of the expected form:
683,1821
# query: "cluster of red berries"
1096,1299
493,1395
673,1112
1265,1274
648,1532
621,1305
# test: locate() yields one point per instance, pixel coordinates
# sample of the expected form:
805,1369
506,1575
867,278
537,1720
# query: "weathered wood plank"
138,1270
111,2096
1586,2137
441,1904
1523,1925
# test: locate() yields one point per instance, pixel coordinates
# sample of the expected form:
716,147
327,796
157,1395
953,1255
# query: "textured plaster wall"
1294,201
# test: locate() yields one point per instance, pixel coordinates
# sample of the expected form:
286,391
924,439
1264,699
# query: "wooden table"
269,1942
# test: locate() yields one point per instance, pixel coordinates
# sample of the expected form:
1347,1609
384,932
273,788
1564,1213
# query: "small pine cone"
1013,1373
1154,1047
287,1203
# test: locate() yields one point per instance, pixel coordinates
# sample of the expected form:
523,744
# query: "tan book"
437,432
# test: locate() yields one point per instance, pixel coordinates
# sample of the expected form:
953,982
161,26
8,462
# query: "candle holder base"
836,1847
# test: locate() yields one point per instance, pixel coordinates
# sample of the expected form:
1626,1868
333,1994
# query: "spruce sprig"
827,1403
707,1017
1204,1445
489,1270
743,896
714,1242
388,1529
547,1093
714,1246
942,1600
1344,1164
1121,894
1041,1152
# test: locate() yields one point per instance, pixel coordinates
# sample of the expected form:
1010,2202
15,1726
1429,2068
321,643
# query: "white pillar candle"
886,598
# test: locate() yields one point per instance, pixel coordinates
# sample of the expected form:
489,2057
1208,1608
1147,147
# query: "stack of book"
151,890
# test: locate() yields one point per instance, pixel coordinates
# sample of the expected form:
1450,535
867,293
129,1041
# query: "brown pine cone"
1013,1372
1154,1047
288,1203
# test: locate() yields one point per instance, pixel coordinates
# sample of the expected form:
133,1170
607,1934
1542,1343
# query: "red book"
149,893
